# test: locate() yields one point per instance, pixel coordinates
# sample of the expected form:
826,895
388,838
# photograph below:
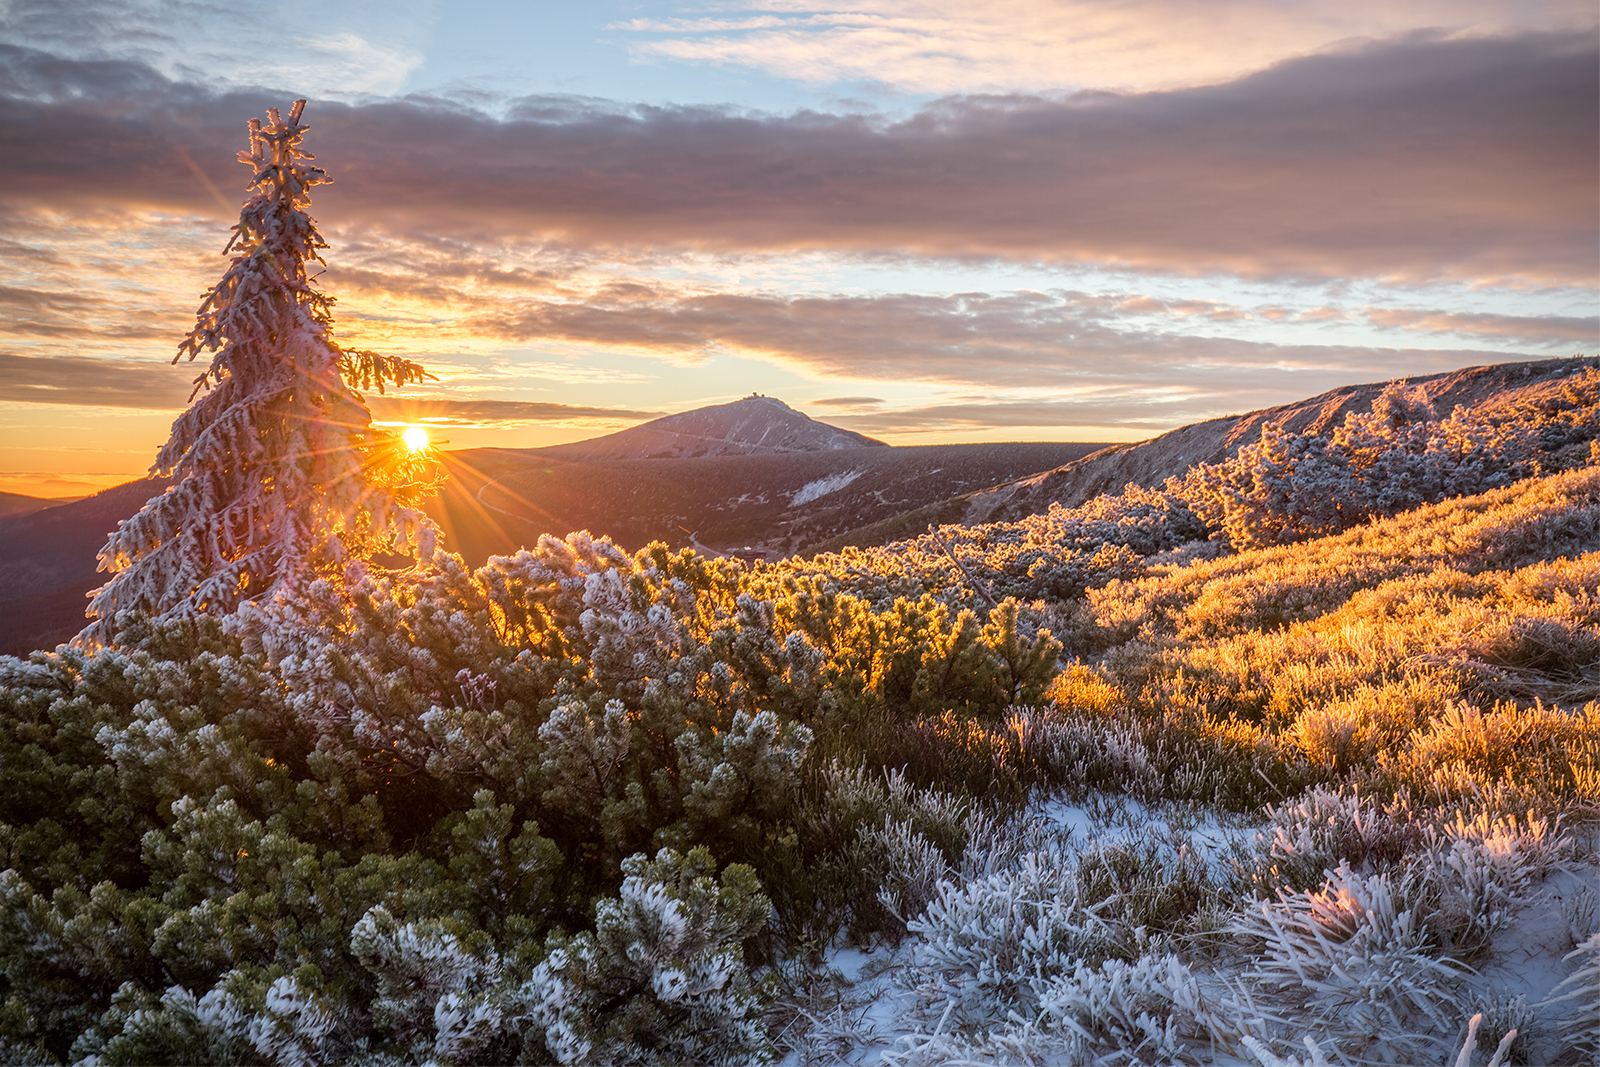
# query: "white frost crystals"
278,478
662,979
1022,957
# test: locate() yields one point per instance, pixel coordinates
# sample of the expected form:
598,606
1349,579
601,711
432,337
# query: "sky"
923,220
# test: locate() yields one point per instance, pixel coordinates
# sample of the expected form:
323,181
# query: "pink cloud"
1530,329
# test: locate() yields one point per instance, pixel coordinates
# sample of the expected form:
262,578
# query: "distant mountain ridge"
21,504
754,426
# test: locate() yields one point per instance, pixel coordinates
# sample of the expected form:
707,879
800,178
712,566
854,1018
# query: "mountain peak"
755,425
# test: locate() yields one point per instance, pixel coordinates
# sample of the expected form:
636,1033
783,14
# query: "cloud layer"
1418,159
947,46
446,412
87,382
1276,235
212,42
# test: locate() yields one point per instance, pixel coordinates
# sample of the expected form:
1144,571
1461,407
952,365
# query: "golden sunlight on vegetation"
1185,775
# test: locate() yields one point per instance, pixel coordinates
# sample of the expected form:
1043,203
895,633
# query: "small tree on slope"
279,479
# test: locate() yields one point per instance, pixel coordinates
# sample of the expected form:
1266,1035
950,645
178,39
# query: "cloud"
397,410
219,43
846,402
74,316
87,382
1418,159
1539,330
1057,343
95,382
954,46
1125,411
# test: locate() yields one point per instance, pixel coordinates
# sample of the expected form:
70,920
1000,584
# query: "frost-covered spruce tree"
278,477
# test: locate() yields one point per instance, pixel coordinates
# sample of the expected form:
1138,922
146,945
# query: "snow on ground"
1109,819
871,1016
822,487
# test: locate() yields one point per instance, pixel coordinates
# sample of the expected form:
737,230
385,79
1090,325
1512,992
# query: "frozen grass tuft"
1151,1010
985,949
1579,995
1355,959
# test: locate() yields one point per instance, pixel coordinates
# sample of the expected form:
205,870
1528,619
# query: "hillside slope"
1150,463
1334,794
47,564
498,500
13,504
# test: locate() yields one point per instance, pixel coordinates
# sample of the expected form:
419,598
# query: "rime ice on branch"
279,478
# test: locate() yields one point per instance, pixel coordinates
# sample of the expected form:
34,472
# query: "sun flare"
416,438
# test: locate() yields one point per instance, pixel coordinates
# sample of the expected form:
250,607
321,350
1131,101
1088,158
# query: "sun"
416,438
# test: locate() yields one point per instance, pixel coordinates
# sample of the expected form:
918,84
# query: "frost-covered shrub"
1144,886
1484,869
177,1028
435,997
1268,589
1345,733
294,1024
869,847
1398,456
662,978
1325,829
1507,1030
1581,910
914,867
1531,757
1061,552
1075,752
1315,1057
1212,758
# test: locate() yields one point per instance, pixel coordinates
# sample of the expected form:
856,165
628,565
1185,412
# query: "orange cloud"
484,413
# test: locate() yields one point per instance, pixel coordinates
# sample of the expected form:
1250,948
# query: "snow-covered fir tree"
278,477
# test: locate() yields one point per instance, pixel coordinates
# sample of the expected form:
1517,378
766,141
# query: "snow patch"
822,487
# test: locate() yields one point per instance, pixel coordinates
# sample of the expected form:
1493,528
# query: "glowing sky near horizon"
1025,219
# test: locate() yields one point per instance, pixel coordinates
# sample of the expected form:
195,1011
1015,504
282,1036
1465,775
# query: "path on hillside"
491,507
